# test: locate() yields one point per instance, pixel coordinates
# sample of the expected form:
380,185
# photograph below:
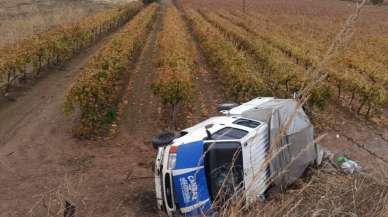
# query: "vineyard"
357,76
58,45
104,85
239,78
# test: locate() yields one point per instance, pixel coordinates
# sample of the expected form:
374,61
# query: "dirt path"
141,110
140,121
34,138
207,86
41,164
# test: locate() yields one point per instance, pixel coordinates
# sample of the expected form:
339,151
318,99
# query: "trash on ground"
347,165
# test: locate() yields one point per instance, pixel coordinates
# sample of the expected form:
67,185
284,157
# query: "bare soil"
357,138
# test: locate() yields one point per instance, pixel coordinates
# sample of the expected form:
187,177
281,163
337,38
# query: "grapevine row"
238,76
355,57
359,91
282,75
363,55
300,56
59,44
173,83
97,92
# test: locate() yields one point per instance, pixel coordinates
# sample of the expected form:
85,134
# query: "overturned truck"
261,144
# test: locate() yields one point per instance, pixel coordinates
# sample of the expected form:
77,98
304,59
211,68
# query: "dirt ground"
356,138
41,164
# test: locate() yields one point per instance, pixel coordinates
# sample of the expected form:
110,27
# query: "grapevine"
173,83
235,72
97,92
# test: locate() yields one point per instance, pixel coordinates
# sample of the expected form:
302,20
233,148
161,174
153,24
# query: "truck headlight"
171,161
172,157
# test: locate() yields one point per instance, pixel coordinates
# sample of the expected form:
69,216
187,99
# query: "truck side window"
247,123
229,133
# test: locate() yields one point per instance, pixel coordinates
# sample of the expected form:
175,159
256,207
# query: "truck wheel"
163,139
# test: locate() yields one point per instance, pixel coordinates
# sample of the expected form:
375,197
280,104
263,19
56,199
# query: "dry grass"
330,193
327,192
51,203
22,18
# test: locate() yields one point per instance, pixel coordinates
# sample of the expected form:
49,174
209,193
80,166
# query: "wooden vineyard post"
24,78
8,82
40,62
352,97
361,106
369,109
8,86
244,6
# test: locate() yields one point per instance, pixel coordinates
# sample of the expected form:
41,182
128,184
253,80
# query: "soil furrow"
139,122
207,86
138,116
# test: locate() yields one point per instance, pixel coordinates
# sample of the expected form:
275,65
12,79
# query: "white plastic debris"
348,166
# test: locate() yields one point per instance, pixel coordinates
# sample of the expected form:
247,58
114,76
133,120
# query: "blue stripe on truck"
189,180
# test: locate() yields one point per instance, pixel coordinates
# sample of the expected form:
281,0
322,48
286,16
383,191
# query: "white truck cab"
214,159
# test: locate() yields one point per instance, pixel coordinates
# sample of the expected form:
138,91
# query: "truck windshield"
224,169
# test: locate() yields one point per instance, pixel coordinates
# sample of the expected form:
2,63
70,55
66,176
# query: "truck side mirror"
207,127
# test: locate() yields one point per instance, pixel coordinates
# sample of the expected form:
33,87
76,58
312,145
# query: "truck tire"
163,139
